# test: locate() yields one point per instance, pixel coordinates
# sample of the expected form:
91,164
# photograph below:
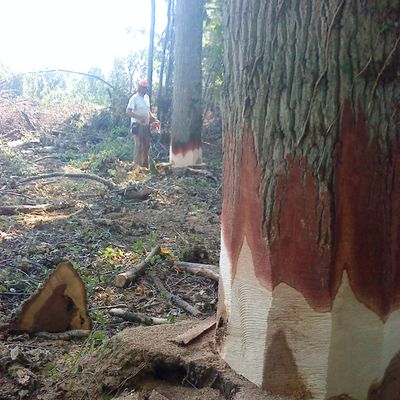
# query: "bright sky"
73,34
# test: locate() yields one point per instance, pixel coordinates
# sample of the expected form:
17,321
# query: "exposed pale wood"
193,333
59,305
67,335
124,279
93,177
206,270
174,298
136,317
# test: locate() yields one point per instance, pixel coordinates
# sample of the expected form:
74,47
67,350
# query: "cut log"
173,298
59,305
136,317
206,270
124,279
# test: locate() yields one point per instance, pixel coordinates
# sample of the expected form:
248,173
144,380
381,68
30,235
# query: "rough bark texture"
310,258
186,104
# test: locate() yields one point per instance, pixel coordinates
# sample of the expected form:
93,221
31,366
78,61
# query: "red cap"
143,83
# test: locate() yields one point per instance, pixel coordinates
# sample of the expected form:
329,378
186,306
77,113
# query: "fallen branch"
67,335
135,317
109,184
206,270
26,209
174,298
133,193
124,279
46,158
198,330
203,172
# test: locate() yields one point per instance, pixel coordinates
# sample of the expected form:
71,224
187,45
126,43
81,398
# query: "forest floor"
101,231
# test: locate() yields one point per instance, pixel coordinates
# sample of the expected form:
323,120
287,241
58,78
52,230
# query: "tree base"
139,361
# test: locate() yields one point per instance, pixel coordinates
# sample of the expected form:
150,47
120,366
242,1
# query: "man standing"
139,110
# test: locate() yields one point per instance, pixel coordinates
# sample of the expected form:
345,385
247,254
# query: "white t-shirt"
140,105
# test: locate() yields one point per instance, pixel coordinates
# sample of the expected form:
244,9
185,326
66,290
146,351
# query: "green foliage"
212,52
103,156
12,163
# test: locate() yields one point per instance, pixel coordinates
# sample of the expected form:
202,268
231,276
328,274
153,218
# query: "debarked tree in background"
310,262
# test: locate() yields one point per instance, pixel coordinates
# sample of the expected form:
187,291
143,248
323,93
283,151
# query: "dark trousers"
141,141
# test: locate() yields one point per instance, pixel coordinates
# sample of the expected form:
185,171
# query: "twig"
124,279
136,317
45,158
206,270
109,184
174,298
109,307
26,209
67,335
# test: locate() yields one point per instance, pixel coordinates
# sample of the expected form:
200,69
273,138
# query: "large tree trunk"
186,104
310,259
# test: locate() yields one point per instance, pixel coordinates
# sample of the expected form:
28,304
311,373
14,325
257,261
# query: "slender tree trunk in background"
161,100
310,255
186,102
151,47
170,69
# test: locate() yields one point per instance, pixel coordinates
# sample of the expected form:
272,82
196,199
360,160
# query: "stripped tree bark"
309,297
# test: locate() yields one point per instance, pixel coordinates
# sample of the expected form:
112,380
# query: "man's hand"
156,125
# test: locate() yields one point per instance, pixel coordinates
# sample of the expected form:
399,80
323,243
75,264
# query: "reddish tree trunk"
310,258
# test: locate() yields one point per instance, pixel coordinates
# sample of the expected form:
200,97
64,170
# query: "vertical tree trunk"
161,99
186,104
310,259
151,47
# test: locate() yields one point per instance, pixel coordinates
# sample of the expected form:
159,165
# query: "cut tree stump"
124,279
152,361
206,270
59,305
